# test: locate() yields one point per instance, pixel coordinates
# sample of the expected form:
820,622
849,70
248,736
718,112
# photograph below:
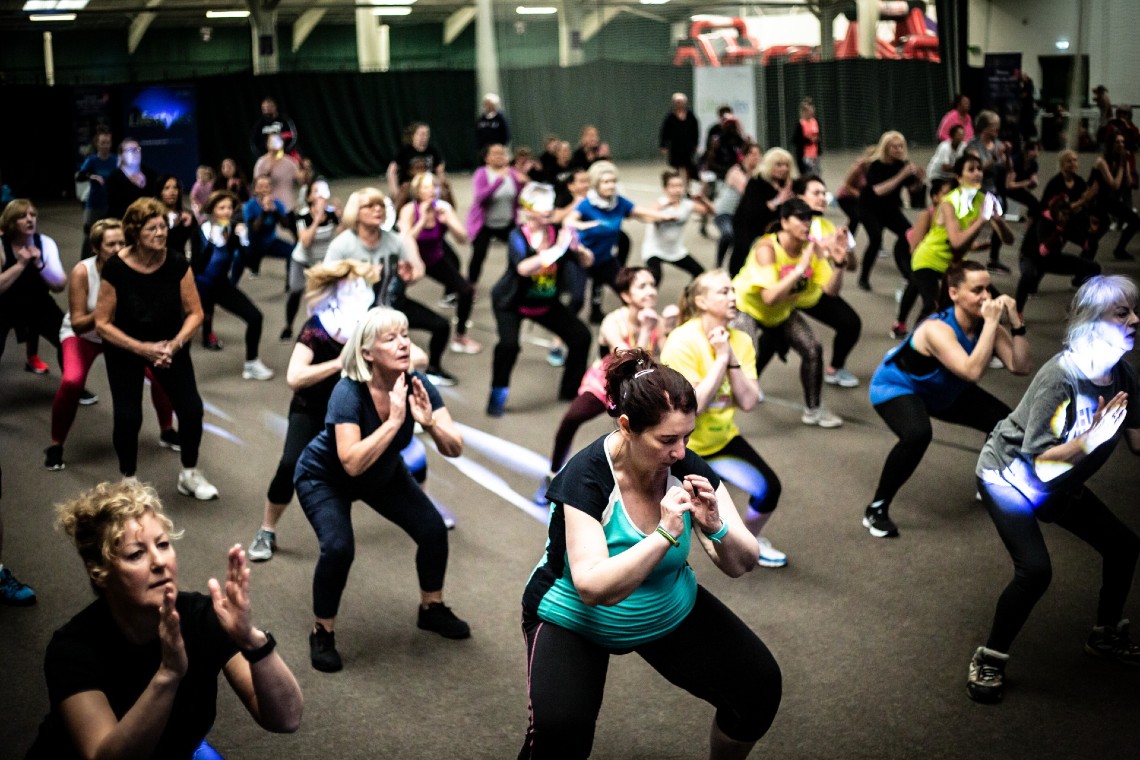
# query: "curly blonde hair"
97,519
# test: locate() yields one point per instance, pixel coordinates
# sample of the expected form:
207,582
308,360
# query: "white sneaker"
463,344
769,555
193,483
841,377
255,370
821,417
996,363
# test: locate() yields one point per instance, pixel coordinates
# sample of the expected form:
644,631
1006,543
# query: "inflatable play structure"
726,41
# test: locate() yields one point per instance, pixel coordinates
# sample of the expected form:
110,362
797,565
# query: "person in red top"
807,140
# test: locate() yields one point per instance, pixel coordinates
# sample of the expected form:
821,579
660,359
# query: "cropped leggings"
712,654
233,300
1083,515
329,510
125,373
741,465
582,409
909,419
876,220
78,356
794,333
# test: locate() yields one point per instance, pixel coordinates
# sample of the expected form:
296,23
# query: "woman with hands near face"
1034,467
720,363
135,673
356,457
615,577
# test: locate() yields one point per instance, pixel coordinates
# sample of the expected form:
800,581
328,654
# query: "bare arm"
302,373
643,214
888,186
959,238
81,320
1107,420
445,433
939,340
736,553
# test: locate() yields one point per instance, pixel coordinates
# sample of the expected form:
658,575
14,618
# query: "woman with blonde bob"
880,203
762,196
356,457
135,673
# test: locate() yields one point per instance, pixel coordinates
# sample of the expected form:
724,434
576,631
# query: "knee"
338,551
755,709
1034,575
917,437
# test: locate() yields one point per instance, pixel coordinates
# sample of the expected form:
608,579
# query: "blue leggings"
739,464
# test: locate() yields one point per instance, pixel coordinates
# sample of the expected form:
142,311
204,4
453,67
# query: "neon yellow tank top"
754,277
934,251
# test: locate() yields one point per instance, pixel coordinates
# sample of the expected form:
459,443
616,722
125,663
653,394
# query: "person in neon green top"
720,363
959,219
787,272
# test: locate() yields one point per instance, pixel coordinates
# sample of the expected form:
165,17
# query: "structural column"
263,27
569,33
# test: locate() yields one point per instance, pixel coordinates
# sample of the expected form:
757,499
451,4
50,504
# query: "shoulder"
624,205
586,481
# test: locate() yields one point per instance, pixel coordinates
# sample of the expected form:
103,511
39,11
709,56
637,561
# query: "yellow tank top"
754,277
934,251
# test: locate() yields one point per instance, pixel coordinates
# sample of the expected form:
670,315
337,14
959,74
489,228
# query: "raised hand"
673,508
992,310
231,599
704,506
420,403
170,635
647,317
1106,421
718,338
398,400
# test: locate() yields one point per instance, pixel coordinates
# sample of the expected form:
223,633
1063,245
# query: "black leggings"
1083,515
739,464
303,428
909,419
876,220
584,408
794,333
712,654
924,283
1034,267
125,372
237,303
447,275
850,206
43,318
479,248
1128,219
421,317
689,264
837,314
605,274
560,321
401,500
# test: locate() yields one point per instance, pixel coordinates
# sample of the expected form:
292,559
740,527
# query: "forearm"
979,358
447,438
1061,458
117,338
279,703
745,390
367,451
190,326
311,374
11,274
138,732
709,385
613,579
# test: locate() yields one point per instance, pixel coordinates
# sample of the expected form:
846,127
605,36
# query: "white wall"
1032,28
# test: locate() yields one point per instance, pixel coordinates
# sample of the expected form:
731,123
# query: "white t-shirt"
663,239
944,154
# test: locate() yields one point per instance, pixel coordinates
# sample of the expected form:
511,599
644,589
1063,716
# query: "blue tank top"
938,388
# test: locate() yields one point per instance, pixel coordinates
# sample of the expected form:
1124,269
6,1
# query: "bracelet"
668,536
716,537
257,655
734,366
1017,331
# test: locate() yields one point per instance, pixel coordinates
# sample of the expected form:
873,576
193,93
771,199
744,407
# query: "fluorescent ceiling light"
391,11
53,17
654,2
392,2
536,10
227,14
40,5
71,5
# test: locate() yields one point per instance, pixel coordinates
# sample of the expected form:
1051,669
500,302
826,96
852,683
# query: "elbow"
290,722
747,405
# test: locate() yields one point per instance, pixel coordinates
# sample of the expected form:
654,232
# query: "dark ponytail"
645,391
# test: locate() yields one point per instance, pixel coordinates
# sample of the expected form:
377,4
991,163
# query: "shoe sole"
877,532
822,424
172,446
259,557
771,562
1093,652
326,668
251,376
983,698
187,492
89,401
452,637
55,467
840,383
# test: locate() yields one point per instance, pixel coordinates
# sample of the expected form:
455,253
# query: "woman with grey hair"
994,156
1034,467
356,457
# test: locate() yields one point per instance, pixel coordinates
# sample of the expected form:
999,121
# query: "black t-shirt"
351,402
878,172
407,153
90,653
753,216
121,192
1056,186
314,400
148,307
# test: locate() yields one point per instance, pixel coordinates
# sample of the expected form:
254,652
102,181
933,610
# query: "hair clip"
639,373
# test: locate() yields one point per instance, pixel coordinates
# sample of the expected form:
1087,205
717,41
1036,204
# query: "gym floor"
873,636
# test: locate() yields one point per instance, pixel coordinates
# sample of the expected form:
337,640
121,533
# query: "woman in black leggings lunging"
880,204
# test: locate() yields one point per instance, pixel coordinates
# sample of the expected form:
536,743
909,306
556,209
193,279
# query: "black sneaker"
53,457
212,342
998,267
322,650
169,439
878,523
987,673
439,618
864,285
1113,643
440,376
87,398
1121,255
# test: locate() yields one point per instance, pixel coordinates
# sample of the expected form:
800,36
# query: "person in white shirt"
941,164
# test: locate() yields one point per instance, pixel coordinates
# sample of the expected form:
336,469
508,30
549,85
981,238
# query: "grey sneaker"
255,370
821,417
841,377
770,556
263,546
987,671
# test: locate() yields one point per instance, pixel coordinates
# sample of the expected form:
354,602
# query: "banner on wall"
718,86
1001,78
164,120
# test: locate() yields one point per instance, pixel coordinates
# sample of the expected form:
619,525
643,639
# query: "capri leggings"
689,264
837,314
1083,515
876,220
582,409
78,356
739,464
794,333
909,419
329,510
712,654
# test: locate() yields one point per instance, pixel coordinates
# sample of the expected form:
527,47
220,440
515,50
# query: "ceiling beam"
595,20
457,22
306,23
139,25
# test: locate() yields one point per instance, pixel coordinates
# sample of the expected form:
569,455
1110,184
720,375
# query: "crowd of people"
626,508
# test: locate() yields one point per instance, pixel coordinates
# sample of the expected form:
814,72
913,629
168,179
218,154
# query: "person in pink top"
807,140
959,113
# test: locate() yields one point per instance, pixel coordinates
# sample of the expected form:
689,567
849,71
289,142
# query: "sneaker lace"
988,673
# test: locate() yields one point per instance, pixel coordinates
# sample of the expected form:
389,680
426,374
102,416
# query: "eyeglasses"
133,149
153,229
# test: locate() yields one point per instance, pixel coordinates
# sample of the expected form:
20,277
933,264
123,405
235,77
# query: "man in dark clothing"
491,128
680,135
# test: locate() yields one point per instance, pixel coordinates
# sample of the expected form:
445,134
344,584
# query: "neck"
1095,365
650,480
792,246
367,232
384,379
965,321
147,255
139,626
708,322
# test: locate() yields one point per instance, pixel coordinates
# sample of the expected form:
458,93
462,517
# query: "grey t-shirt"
1057,407
387,253
500,211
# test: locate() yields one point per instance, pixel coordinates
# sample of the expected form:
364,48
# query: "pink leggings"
78,356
